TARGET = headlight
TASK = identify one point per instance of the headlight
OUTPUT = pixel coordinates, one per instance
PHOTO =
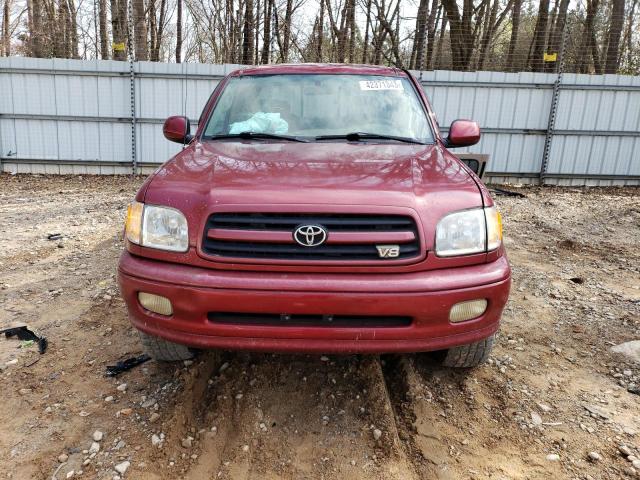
(469, 231)
(157, 227)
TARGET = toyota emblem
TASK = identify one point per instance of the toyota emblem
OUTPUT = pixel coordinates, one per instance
(310, 235)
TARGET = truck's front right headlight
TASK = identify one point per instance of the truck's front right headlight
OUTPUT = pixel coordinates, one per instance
(158, 227)
(469, 231)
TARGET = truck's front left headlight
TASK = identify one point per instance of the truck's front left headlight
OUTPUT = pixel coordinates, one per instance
(469, 231)
(152, 226)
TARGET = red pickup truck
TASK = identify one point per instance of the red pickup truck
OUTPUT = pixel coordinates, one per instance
(316, 209)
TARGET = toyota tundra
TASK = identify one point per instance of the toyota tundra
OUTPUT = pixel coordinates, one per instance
(316, 208)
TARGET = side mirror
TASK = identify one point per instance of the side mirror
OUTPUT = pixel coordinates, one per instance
(463, 133)
(177, 129)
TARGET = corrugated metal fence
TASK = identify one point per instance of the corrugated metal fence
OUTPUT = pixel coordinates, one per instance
(74, 116)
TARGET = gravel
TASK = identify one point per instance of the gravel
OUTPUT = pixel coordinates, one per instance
(594, 456)
(122, 468)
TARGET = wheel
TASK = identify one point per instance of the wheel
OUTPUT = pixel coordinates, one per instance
(470, 355)
(164, 350)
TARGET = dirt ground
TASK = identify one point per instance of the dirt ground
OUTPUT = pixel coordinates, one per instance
(552, 394)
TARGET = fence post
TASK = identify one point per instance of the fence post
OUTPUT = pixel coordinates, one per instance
(132, 91)
(553, 110)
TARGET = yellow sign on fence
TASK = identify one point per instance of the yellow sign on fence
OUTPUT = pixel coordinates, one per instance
(550, 57)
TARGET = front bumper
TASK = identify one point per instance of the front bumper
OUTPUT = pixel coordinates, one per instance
(427, 297)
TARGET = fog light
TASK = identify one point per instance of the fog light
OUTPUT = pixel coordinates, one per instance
(155, 303)
(467, 310)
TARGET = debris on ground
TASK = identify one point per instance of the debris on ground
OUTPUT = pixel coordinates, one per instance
(124, 365)
(507, 193)
(23, 333)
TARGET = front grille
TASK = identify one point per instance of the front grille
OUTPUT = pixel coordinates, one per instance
(256, 236)
(286, 320)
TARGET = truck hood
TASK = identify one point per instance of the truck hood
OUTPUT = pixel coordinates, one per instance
(322, 176)
(322, 173)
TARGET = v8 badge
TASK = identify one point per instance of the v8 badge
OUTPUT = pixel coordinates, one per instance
(388, 251)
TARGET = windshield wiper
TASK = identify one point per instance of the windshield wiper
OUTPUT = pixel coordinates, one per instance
(357, 136)
(252, 135)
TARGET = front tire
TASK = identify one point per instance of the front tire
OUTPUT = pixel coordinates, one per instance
(470, 355)
(163, 350)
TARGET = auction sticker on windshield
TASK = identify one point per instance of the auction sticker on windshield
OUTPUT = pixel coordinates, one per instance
(381, 85)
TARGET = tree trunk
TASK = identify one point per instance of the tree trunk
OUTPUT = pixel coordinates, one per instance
(6, 36)
(460, 33)
(104, 39)
(247, 39)
(267, 31)
(36, 32)
(286, 40)
(119, 29)
(628, 34)
(443, 28)
(352, 31)
(276, 28)
(140, 31)
(539, 37)
(589, 36)
(555, 37)
(320, 32)
(179, 33)
(343, 33)
(417, 54)
(613, 38)
(155, 52)
(432, 22)
(151, 26)
(487, 35)
(365, 51)
(73, 25)
(256, 34)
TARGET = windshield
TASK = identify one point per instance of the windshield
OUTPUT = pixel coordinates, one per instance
(312, 106)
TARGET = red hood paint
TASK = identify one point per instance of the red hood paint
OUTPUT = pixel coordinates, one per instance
(321, 177)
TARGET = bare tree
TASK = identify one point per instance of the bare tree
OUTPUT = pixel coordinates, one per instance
(119, 28)
(320, 32)
(266, 44)
(443, 27)
(140, 30)
(538, 45)
(104, 39)
(179, 32)
(613, 39)
(247, 43)
(627, 44)
(491, 26)
(432, 22)
(602, 36)
(460, 32)
(286, 40)
(420, 38)
(556, 32)
(157, 24)
(515, 27)
(36, 28)
(6, 36)
(588, 34)
(365, 51)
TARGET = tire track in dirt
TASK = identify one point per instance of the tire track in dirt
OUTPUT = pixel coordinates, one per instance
(402, 383)
(294, 416)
